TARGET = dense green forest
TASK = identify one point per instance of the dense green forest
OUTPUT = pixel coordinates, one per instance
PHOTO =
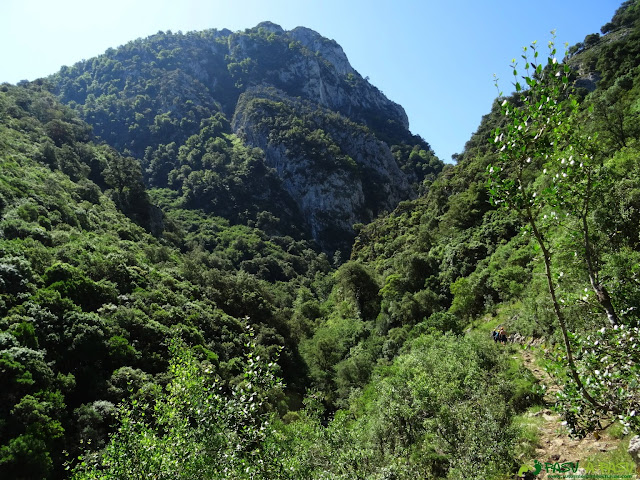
(174, 303)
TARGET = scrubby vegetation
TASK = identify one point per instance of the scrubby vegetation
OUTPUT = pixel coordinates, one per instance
(164, 312)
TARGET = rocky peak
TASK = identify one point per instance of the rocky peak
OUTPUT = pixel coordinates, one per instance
(320, 72)
(328, 49)
(271, 27)
(225, 32)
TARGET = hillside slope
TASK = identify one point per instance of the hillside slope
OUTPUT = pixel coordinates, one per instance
(90, 301)
(185, 319)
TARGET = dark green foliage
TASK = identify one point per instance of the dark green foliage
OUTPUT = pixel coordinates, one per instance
(355, 284)
(99, 298)
(404, 424)
(406, 414)
(72, 284)
(626, 16)
(222, 177)
(384, 376)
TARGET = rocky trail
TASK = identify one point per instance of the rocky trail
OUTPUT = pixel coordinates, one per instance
(555, 444)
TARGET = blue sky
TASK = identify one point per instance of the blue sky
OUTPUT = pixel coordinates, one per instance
(435, 58)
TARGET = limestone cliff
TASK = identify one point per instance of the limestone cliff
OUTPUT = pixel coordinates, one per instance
(353, 178)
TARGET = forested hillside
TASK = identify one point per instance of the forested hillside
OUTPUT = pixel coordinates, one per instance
(200, 276)
(91, 301)
(536, 225)
(336, 150)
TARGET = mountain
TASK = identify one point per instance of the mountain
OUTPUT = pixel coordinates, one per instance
(96, 280)
(166, 308)
(334, 150)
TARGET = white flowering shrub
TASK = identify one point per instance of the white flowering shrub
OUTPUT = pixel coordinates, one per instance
(553, 174)
(199, 427)
(609, 365)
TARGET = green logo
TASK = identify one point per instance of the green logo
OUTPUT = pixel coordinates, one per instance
(549, 467)
(592, 469)
(534, 471)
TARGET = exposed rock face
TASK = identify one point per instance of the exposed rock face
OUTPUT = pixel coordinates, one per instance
(359, 182)
(588, 81)
(271, 27)
(321, 74)
(634, 450)
(328, 49)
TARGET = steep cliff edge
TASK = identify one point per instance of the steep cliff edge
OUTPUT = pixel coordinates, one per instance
(338, 172)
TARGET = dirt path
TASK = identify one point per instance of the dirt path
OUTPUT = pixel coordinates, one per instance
(555, 444)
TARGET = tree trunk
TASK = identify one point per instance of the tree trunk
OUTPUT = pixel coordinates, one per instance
(600, 290)
(556, 309)
(605, 300)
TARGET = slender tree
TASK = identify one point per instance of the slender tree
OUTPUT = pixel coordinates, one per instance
(552, 173)
(535, 136)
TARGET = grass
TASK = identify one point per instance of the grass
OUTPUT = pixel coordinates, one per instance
(613, 462)
(528, 427)
(499, 316)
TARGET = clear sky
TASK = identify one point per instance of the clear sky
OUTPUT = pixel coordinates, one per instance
(436, 58)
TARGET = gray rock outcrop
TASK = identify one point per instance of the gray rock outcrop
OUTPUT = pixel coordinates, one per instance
(634, 450)
(333, 196)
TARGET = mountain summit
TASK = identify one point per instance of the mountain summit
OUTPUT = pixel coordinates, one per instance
(192, 108)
